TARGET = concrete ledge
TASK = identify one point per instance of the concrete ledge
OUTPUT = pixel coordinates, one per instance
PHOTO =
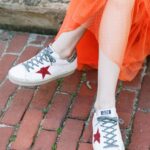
(39, 16)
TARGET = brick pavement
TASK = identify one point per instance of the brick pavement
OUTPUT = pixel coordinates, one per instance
(58, 115)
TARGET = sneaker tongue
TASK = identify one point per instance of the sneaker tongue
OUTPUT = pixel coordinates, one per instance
(107, 112)
(54, 54)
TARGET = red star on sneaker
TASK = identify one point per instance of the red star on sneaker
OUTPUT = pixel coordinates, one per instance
(44, 71)
(97, 136)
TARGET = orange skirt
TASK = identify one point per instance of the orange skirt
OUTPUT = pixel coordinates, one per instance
(138, 47)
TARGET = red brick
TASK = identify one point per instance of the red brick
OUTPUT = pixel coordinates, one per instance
(17, 107)
(2, 47)
(92, 76)
(84, 102)
(27, 130)
(43, 95)
(135, 83)
(57, 112)
(6, 63)
(45, 140)
(70, 83)
(28, 53)
(18, 42)
(125, 107)
(39, 40)
(6, 90)
(49, 40)
(85, 146)
(70, 135)
(144, 98)
(88, 131)
(86, 91)
(5, 134)
(141, 133)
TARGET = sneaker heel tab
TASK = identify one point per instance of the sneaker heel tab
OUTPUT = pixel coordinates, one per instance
(72, 57)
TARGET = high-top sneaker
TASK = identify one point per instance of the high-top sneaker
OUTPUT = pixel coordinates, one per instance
(42, 68)
(106, 131)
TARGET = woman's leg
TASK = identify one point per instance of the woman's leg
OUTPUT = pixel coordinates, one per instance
(113, 36)
(66, 42)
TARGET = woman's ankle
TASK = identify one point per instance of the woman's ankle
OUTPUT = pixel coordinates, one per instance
(62, 52)
(102, 105)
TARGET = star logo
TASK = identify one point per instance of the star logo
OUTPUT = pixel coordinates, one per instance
(97, 136)
(44, 71)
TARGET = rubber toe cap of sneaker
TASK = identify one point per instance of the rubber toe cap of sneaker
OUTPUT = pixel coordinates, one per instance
(17, 73)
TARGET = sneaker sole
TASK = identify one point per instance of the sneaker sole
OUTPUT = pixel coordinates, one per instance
(39, 83)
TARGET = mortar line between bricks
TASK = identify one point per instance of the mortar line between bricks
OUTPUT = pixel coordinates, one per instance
(40, 126)
(19, 53)
(6, 47)
(144, 110)
(64, 120)
(28, 106)
(63, 93)
(76, 94)
(18, 56)
(6, 77)
(1, 83)
(130, 126)
(90, 114)
(85, 124)
(5, 53)
(49, 106)
(5, 125)
(44, 114)
(11, 53)
(38, 45)
(69, 108)
(83, 80)
(9, 101)
(135, 108)
(31, 35)
(16, 127)
(7, 44)
(77, 146)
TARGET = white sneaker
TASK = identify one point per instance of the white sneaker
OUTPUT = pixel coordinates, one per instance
(106, 131)
(42, 68)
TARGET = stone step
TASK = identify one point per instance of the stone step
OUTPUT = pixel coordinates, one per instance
(32, 15)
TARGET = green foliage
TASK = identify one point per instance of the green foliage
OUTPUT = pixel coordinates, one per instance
(45, 110)
(59, 130)
(12, 138)
(54, 147)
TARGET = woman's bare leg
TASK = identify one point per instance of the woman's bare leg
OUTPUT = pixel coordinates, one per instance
(113, 36)
(66, 42)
